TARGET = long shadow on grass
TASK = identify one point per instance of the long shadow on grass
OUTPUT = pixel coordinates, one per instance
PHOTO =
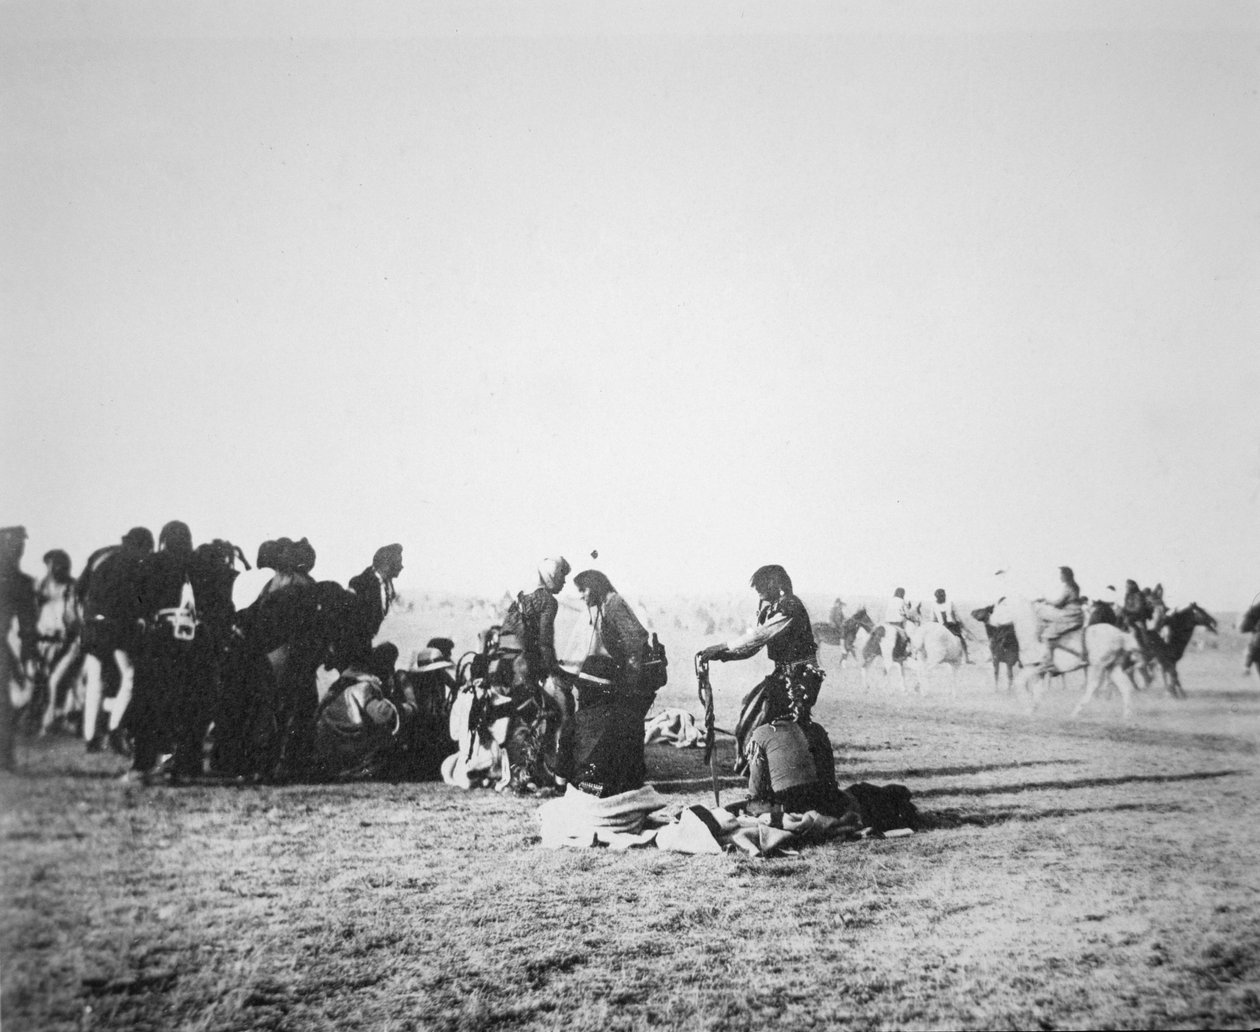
(940, 772)
(947, 819)
(1037, 786)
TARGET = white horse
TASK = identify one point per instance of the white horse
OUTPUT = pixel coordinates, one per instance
(932, 646)
(1103, 650)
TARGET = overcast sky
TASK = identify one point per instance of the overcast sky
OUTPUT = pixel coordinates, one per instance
(891, 294)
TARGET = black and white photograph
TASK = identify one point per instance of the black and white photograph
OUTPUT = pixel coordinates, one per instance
(601, 515)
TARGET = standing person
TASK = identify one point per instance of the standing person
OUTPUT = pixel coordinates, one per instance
(944, 613)
(173, 685)
(374, 589)
(612, 702)
(784, 630)
(109, 590)
(1063, 613)
(58, 633)
(541, 691)
(17, 605)
(533, 631)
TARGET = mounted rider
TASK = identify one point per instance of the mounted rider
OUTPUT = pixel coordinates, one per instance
(896, 613)
(1062, 614)
(944, 613)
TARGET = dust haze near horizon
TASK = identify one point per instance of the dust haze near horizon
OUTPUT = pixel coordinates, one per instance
(888, 295)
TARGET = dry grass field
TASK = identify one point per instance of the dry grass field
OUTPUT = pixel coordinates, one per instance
(1088, 874)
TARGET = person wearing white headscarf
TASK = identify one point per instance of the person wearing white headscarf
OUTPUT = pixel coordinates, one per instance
(529, 632)
(538, 619)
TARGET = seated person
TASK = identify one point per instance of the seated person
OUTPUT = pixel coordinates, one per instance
(362, 718)
(790, 765)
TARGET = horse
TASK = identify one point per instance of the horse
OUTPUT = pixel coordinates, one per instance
(845, 635)
(1166, 653)
(881, 643)
(1104, 651)
(1003, 648)
(934, 645)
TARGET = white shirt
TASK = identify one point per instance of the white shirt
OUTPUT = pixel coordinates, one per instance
(896, 611)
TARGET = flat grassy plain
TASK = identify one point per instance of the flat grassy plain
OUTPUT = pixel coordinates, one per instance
(1087, 874)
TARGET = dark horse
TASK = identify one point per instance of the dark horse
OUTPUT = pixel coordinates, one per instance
(1180, 625)
(844, 636)
(1002, 644)
(1250, 624)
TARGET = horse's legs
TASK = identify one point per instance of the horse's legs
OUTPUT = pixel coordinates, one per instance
(1127, 687)
(1091, 686)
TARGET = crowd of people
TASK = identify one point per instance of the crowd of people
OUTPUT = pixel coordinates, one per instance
(146, 653)
(146, 650)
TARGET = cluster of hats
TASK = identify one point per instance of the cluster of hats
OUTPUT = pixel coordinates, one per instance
(286, 556)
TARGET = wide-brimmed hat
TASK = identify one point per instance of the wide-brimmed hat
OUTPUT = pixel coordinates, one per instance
(444, 645)
(431, 658)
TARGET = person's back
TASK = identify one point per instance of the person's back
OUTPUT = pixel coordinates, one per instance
(791, 765)
(113, 585)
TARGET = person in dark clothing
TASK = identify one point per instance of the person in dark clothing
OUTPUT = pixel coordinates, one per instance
(784, 631)
(364, 718)
(288, 632)
(109, 590)
(17, 605)
(608, 725)
(541, 691)
(374, 591)
(174, 697)
(791, 766)
(531, 631)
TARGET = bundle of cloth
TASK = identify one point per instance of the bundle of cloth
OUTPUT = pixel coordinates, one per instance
(674, 727)
(639, 818)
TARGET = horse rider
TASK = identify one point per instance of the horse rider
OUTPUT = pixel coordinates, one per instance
(944, 613)
(1063, 614)
(896, 613)
(837, 613)
(1135, 612)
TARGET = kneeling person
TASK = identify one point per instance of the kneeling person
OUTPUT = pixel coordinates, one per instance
(361, 719)
(790, 764)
